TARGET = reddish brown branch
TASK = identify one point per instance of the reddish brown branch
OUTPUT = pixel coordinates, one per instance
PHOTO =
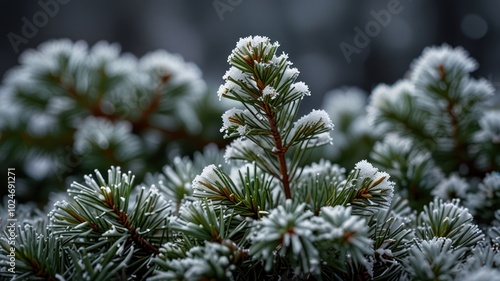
(82, 220)
(123, 219)
(280, 151)
(40, 272)
(460, 148)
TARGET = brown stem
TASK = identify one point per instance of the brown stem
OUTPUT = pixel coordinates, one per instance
(278, 143)
(460, 148)
(455, 131)
(239, 254)
(134, 235)
(40, 272)
(143, 122)
(280, 151)
(82, 220)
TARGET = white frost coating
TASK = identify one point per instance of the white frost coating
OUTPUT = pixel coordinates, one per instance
(335, 102)
(478, 89)
(106, 189)
(325, 168)
(382, 253)
(250, 42)
(434, 60)
(112, 232)
(321, 139)
(60, 277)
(491, 182)
(366, 169)
(180, 71)
(482, 274)
(226, 88)
(95, 131)
(385, 96)
(208, 175)
(61, 204)
(315, 117)
(103, 52)
(81, 264)
(277, 59)
(384, 187)
(302, 88)
(490, 128)
(269, 91)
(240, 146)
(81, 225)
(486, 189)
(288, 225)
(230, 114)
(153, 190)
(98, 267)
(450, 188)
(289, 73)
(41, 124)
(235, 74)
(47, 54)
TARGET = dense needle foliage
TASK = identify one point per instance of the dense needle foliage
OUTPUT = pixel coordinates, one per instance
(421, 202)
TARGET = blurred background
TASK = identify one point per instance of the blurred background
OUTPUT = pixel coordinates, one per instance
(205, 32)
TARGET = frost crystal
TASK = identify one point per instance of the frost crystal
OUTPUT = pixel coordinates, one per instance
(366, 169)
(445, 62)
(235, 74)
(482, 274)
(103, 52)
(490, 128)
(102, 133)
(289, 227)
(336, 100)
(49, 54)
(387, 98)
(227, 116)
(163, 63)
(247, 44)
(240, 147)
(453, 187)
(226, 88)
(207, 176)
(314, 118)
(269, 91)
(290, 73)
(301, 87)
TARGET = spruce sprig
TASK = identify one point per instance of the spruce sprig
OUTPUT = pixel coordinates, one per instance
(264, 84)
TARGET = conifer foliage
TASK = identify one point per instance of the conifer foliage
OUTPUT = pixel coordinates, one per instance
(260, 209)
(68, 109)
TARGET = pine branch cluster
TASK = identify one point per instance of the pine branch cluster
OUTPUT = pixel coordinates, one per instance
(261, 209)
(69, 108)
